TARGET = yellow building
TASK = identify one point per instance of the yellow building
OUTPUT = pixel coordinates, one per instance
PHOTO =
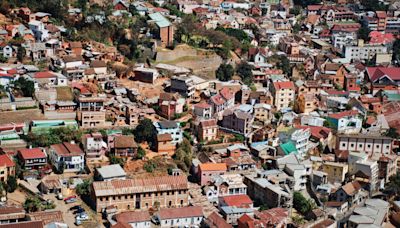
(306, 103)
(336, 171)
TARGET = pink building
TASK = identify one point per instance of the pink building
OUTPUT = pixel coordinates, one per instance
(207, 170)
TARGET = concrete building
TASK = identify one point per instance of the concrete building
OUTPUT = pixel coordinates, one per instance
(283, 94)
(183, 85)
(94, 146)
(336, 172)
(207, 130)
(141, 193)
(364, 51)
(91, 112)
(263, 113)
(33, 158)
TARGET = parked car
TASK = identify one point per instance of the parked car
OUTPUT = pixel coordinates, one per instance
(70, 200)
(69, 197)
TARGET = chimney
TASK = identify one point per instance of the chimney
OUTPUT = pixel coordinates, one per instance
(360, 42)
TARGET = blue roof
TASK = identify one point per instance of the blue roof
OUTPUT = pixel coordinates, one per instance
(160, 20)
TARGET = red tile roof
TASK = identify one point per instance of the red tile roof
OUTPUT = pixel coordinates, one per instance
(272, 216)
(340, 115)
(27, 224)
(5, 160)
(284, 85)
(226, 93)
(381, 38)
(133, 216)
(242, 201)
(32, 153)
(317, 132)
(375, 73)
(67, 149)
(45, 74)
(216, 221)
(314, 7)
(202, 105)
(182, 212)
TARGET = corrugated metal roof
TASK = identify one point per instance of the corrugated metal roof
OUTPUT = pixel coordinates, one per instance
(160, 20)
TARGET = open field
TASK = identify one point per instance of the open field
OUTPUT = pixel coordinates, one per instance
(21, 116)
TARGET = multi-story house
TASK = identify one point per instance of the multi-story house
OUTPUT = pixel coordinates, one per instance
(141, 193)
(225, 99)
(91, 112)
(170, 127)
(265, 192)
(207, 130)
(39, 30)
(207, 170)
(183, 85)
(299, 174)
(306, 103)
(67, 156)
(336, 172)
(298, 137)
(7, 167)
(237, 121)
(263, 113)
(170, 105)
(227, 185)
(94, 146)
(124, 146)
(134, 114)
(348, 122)
(361, 166)
(33, 158)
(283, 94)
(202, 110)
(364, 143)
(351, 193)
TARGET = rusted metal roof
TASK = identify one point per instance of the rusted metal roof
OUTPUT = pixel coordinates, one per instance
(140, 185)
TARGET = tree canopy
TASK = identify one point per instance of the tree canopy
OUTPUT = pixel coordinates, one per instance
(301, 204)
(26, 86)
(244, 70)
(225, 72)
(145, 131)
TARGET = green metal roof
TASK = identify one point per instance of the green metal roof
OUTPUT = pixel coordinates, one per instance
(160, 20)
(288, 148)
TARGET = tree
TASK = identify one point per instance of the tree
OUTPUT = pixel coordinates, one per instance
(363, 33)
(373, 5)
(3, 59)
(21, 53)
(244, 70)
(301, 204)
(26, 86)
(141, 153)
(145, 131)
(393, 187)
(149, 166)
(117, 160)
(32, 204)
(225, 72)
(296, 10)
(83, 189)
(392, 132)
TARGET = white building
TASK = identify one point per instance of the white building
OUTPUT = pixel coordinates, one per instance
(39, 30)
(135, 219)
(362, 142)
(68, 155)
(181, 217)
(363, 52)
(359, 162)
(299, 174)
(170, 127)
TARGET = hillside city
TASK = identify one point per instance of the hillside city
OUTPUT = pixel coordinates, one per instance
(199, 113)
